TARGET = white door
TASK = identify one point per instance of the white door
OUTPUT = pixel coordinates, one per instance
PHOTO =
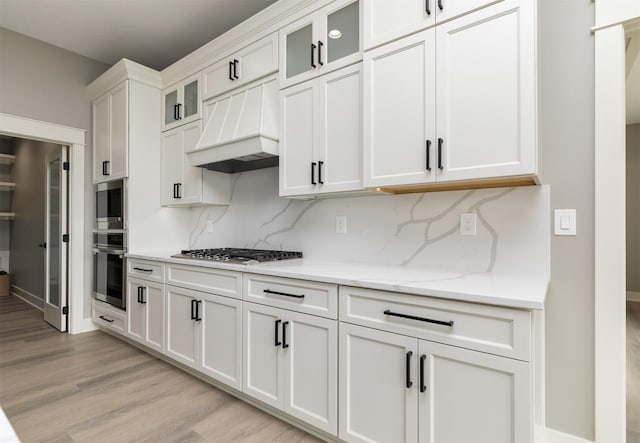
(298, 139)
(311, 359)
(340, 136)
(486, 93)
(101, 137)
(56, 242)
(119, 118)
(135, 310)
(191, 188)
(470, 396)
(181, 338)
(378, 399)
(263, 371)
(399, 112)
(386, 20)
(152, 298)
(221, 339)
(172, 158)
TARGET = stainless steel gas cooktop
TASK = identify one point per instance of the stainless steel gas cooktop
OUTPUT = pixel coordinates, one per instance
(238, 255)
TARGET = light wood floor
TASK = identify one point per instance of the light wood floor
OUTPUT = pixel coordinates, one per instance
(633, 372)
(92, 387)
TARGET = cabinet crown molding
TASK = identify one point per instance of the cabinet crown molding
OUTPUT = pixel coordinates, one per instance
(123, 70)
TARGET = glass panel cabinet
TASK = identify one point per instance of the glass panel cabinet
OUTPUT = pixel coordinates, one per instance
(181, 103)
(320, 43)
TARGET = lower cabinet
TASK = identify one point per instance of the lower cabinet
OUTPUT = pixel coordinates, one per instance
(397, 388)
(204, 332)
(290, 362)
(145, 313)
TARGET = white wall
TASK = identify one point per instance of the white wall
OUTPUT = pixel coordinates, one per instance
(633, 207)
(47, 83)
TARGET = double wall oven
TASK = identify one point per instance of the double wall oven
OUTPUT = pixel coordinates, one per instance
(110, 243)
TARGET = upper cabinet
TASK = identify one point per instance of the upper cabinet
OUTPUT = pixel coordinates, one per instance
(243, 66)
(320, 42)
(387, 20)
(476, 77)
(111, 134)
(181, 103)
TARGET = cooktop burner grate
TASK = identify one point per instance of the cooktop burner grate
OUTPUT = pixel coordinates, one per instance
(238, 255)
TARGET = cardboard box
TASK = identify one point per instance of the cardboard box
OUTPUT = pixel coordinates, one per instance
(4, 285)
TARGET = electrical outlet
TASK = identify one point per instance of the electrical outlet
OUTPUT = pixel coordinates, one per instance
(341, 224)
(468, 224)
(209, 225)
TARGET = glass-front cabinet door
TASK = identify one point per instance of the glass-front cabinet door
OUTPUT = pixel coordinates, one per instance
(322, 42)
(181, 103)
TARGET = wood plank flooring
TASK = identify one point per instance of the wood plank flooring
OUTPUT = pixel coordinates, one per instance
(92, 387)
(633, 372)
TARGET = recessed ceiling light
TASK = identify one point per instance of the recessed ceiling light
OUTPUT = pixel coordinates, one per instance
(335, 33)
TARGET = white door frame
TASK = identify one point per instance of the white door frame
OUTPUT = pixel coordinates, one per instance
(22, 127)
(612, 18)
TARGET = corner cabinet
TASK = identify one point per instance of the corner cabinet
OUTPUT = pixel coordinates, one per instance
(181, 103)
(111, 134)
(321, 142)
(320, 42)
(476, 77)
(184, 185)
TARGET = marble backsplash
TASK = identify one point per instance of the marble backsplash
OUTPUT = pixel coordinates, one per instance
(417, 230)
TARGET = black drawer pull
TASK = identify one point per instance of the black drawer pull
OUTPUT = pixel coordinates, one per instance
(285, 345)
(413, 317)
(142, 269)
(139, 294)
(422, 385)
(198, 304)
(269, 291)
(143, 290)
(193, 309)
(105, 319)
(428, 151)
(440, 142)
(408, 368)
(277, 341)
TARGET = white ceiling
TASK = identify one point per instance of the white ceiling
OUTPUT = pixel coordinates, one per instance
(633, 78)
(155, 33)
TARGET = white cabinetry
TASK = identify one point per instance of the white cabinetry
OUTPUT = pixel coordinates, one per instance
(475, 76)
(181, 103)
(145, 312)
(398, 384)
(111, 134)
(290, 358)
(309, 48)
(184, 185)
(321, 143)
(244, 66)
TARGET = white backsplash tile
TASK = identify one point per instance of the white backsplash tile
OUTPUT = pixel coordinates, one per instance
(417, 230)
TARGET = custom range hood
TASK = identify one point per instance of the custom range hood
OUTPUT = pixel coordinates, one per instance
(241, 132)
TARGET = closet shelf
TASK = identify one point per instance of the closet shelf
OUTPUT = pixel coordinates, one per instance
(7, 186)
(7, 215)
(7, 159)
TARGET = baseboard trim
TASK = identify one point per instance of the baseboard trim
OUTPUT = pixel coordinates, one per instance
(546, 435)
(27, 296)
(633, 296)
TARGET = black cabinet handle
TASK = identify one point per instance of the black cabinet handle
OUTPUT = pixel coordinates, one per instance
(177, 111)
(143, 291)
(198, 316)
(422, 385)
(43, 245)
(313, 173)
(193, 309)
(105, 319)
(427, 7)
(440, 4)
(440, 143)
(285, 345)
(428, 149)
(313, 51)
(320, 53)
(177, 188)
(142, 269)
(320, 163)
(107, 167)
(277, 341)
(235, 70)
(231, 71)
(408, 368)
(413, 317)
(139, 295)
(269, 291)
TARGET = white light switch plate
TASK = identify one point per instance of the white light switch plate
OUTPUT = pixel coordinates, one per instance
(564, 222)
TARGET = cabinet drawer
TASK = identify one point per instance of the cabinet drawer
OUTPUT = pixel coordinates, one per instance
(215, 281)
(491, 329)
(107, 317)
(297, 295)
(148, 270)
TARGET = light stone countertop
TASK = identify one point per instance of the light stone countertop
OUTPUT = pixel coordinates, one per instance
(514, 291)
